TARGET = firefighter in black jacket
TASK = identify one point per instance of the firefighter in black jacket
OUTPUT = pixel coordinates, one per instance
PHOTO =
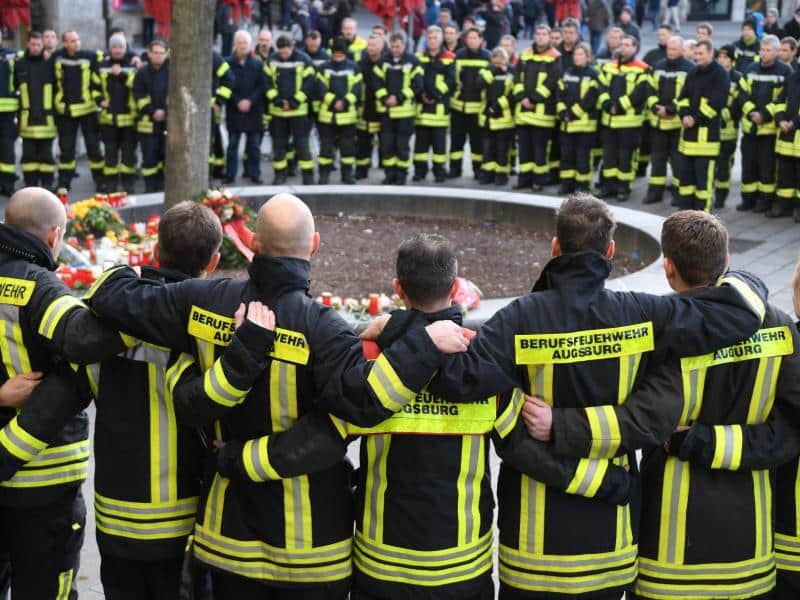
(340, 90)
(118, 117)
(787, 148)
(290, 90)
(222, 81)
(729, 128)
(150, 89)
(298, 531)
(42, 515)
(76, 95)
(666, 81)
(761, 87)
(748, 48)
(537, 75)
(497, 118)
(433, 106)
(34, 78)
(9, 105)
(401, 83)
(369, 113)
(704, 95)
(465, 105)
(548, 343)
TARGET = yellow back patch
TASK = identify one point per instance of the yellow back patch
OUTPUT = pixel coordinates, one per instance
(772, 341)
(291, 346)
(211, 327)
(16, 291)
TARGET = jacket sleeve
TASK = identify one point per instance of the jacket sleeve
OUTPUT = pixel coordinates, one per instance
(223, 80)
(201, 398)
(588, 102)
(636, 99)
(142, 94)
(306, 92)
(647, 418)
(591, 478)
(711, 107)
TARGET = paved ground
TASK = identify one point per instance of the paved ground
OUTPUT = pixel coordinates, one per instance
(767, 247)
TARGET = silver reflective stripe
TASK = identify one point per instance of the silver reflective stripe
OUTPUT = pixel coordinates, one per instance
(516, 398)
(727, 457)
(163, 435)
(531, 483)
(288, 65)
(538, 384)
(173, 530)
(73, 62)
(13, 351)
(254, 457)
(186, 506)
(700, 592)
(590, 561)
(55, 312)
(763, 477)
(30, 476)
(283, 395)
(600, 581)
(212, 377)
(693, 381)
(587, 478)
(64, 455)
(631, 371)
(605, 429)
(214, 500)
(674, 504)
(717, 569)
(20, 443)
(474, 455)
(260, 571)
(341, 550)
(379, 441)
(766, 386)
(297, 501)
(760, 77)
(148, 353)
(395, 394)
(477, 569)
(397, 555)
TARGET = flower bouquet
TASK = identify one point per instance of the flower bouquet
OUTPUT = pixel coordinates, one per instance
(237, 243)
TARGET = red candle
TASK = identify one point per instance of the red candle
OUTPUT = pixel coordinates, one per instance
(326, 298)
(62, 195)
(373, 304)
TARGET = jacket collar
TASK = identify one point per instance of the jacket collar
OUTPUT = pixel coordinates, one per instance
(578, 271)
(163, 274)
(275, 276)
(19, 244)
(403, 320)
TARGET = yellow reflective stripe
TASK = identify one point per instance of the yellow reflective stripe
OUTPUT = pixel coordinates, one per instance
(55, 312)
(706, 571)
(674, 500)
(100, 281)
(706, 108)
(29, 478)
(624, 532)
(588, 477)
(93, 376)
(694, 383)
(255, 456)
(282, 395)
(508, 418)
(540, 379)
(375, 486)
(756, 304)
(19, 442)
(444, 557)
(341, 426)
(468, 486)
(176, 370)
(143, 511)
(12, 347)
(163, 438)
(217, 387)
(787, 550)
(604, 427)
(727, 447)
(532, 515)
(387, 385)
(764, 388)
(64, 585)
(628, 369)
(762, 495)
(65, 453)
(212, 517)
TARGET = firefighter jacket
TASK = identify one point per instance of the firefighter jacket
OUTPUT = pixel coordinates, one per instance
(438, 85)
(150, 87)
(703, 97)
(788, 144)
(666, 82)
(222, 80)
(34, 78)
(625, 87)
(318, 58)
(401, 78)
(576, 344)
(292, 80)
(761, 88)
(9, 103)
(77, 82)
(248, 83)
(369, 109)
(43, 324)
(117, 90)
(655, 55)
(424, 500)
(498, 99)
(576, 101)
(339, 81)
(355, 48)
(468, 65)
(746, 54)
(538, 74)
(732, 113)
(297, 531)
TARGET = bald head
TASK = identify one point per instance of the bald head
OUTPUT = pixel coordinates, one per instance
(285, 227)
(37, 211)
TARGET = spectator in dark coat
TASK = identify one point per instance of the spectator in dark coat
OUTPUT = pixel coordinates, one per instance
(530, 14)
(792, 26)
(496, 24)
(627, 25)
(598, 18)
(771, 25)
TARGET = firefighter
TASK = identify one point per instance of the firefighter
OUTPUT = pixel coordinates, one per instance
(623, 93)
(76, 95)
(34, 77)
(370, 110)
(338, 112)
(290, 88)
(787, 148)
(760, 86)
(577, 112)
(729, 128)
(299, 530)
(355, 44)
(667, 81)
(9, 105)
(118, 117)
(538, 73)
(729, 437)
(539, 555)
(747, 47)
(497, 118)
(401, 82)
(465, 105)
(652, 57)
(150, 87)
(221, 83)
(42, 517)
(433, 106)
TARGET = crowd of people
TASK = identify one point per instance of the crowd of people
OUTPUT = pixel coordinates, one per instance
(224, 409)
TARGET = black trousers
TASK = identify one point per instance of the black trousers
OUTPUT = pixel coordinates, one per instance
(696, 175)
(788, 178)
(576, 159)
(645, 148)
(126, 579)
(364, 143)
(333, 137)
(663, 149)
(486, 593)
(43, 544)
(296, 128)
(153, 146)
(758, 169)
(68, 139)
(8, 135)
(38, 165)
(534, 154)
(227, 586)
(217, 156)
(463, 126)
(396, 142)
(509, 593)
(497, 147)
(724, 166)
(120, 149)
(619, 153)
(430, 138)
(788, 587)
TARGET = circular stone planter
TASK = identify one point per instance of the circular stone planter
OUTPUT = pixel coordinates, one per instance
(637, 232)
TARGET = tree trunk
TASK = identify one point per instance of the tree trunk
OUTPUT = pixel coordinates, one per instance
(189, 100)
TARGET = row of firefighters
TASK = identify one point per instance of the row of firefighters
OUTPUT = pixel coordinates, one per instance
(557, 115)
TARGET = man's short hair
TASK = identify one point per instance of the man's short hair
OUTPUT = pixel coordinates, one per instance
(473, 30)
(790, 41)
(284, 41)
(188, 236)
(706, 44)
(666, 26)
(707, 26)
(572, 23)
(313, 34)
(380, 27)
(584, 223)
(771, 40)
(632, 38)
(397, 36)
(545, 27)
(157, 42)
(35, 35)
(426, 267)
(697, 243)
